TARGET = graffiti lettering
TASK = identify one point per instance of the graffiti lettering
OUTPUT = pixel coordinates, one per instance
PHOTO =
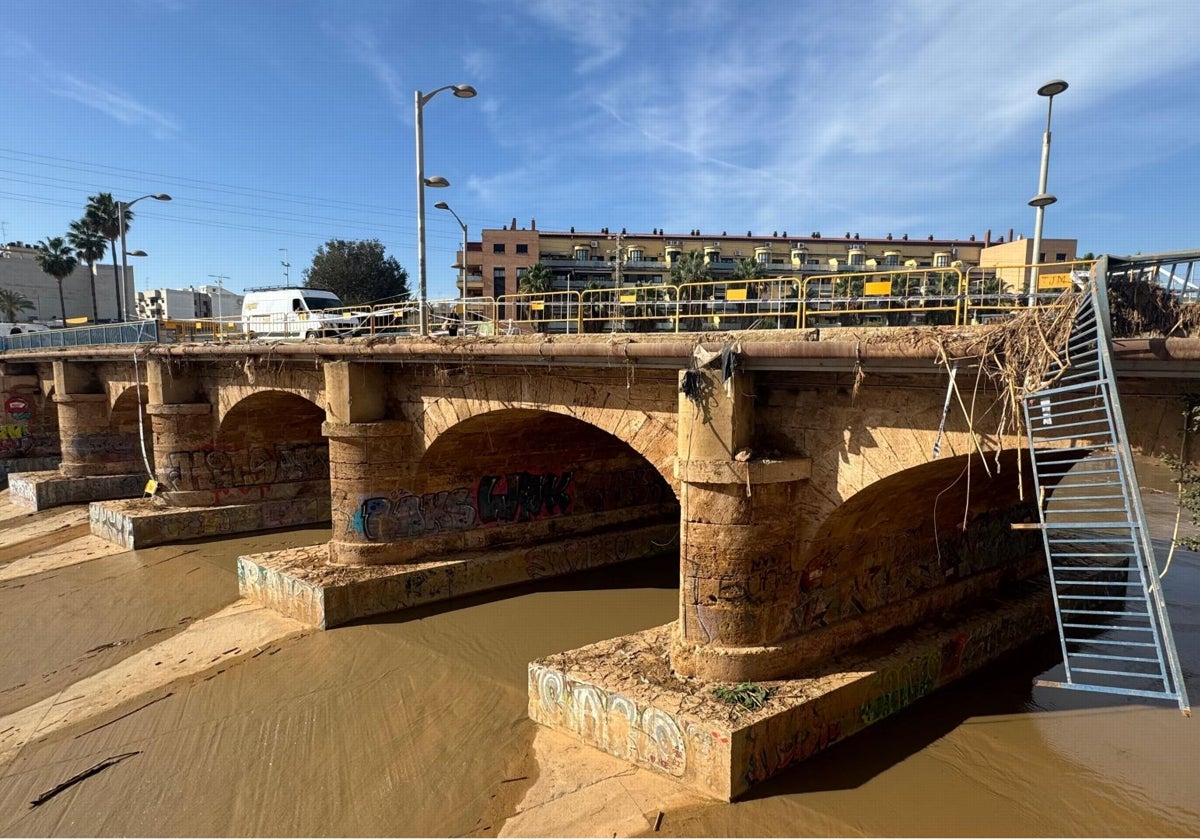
(522, 497)
(111, 525)
(383, 519)
(253, 466)
(612, 722)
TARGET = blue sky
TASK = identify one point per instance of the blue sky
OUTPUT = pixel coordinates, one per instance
(280, 125)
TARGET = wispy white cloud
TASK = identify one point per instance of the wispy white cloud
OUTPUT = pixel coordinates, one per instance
(800, 109)
(479, 63)
(117, 105)
(597, 28)
(364, 48)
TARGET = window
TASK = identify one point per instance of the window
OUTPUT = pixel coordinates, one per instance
(941, 260)
(1060, 257)
(582, 253)
(764, 257)
(497, 247)
(522, 248)
(521, 270)
(858, 257)
(498, 284)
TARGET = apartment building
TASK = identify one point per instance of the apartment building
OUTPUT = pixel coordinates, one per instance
(590, 259)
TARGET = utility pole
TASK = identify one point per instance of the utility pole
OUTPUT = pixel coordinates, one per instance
(620, 259)
(287, 281)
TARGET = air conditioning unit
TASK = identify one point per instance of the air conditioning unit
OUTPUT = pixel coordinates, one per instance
(594, 243)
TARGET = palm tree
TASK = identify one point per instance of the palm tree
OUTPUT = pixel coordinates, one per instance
(539, 279)
(56, 258)
(748, 268)
(690, 268)
(11, 303)
(89, 245)
(103, 214)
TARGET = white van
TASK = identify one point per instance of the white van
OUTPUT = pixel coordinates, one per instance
(295, 313)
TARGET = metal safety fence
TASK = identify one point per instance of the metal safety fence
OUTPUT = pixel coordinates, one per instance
(895, 297)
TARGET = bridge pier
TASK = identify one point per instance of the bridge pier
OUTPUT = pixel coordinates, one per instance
(737, 533)
(432, 502)
(101, 450)
(206, 487)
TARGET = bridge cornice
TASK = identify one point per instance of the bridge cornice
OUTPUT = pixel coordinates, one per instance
(755, 349)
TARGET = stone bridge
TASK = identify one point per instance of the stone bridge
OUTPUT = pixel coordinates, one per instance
(821, 496)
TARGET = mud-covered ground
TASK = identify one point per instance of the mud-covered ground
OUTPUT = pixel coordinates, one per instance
(415, 724)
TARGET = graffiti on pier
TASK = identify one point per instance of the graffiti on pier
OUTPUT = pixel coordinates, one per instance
(612, 722)
(902, 686)
(14, 432)
(495, 500)
(111, 525)
(523, 496)
(766, 761)
(101, 446)
(384, 519)
(222, 469)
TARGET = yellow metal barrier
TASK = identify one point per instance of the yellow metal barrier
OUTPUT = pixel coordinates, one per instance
(763, 303)
(629, 309)
(883, 298)
(538, 312)
(996, 292)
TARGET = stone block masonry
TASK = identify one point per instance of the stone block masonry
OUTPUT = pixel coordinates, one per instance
(141, 523)
(42, 490)
(303, 583)
(621, 697)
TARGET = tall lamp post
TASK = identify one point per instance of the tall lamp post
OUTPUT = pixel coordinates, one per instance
(122, 209)
(462, 275)
(419, 100)
(287, 267)
(220, 295)
(1043, 199)
(138, 253)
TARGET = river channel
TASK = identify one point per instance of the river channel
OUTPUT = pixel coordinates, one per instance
(415, 724)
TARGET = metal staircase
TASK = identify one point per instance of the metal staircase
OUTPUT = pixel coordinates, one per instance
(1108, 600)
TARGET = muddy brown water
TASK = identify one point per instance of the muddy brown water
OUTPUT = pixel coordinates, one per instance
(411, 724)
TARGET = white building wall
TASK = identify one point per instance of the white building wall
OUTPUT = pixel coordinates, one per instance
(19, 272)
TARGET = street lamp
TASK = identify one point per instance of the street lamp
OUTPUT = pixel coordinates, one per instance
(419, 100)
(220, 294)
(441, 205)
(287, 267)
(137, 253)
(1043, 199)
(122, 209)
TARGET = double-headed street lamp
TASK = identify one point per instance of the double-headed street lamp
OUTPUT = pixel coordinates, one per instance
(419, 100)
(122, 209)
(441, 205)
(1043, 199)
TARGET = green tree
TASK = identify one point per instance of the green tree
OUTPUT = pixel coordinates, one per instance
(690, 268)
(11, 303)
(357, 271)
(89, 245)
(539, 279)
(748, 268)
(103, 214)
(56, 258)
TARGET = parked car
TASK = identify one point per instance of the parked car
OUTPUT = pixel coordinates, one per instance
(9, 328)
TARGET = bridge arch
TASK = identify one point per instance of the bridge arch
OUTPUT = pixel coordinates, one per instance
(519, 477)
(648, 428)
(269, 445)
